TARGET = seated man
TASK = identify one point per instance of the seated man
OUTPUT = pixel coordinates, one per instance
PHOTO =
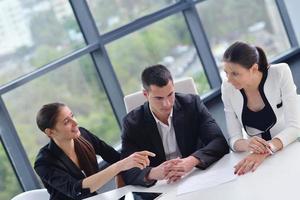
(176, 127)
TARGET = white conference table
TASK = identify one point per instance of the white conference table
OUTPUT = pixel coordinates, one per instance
(277, 178)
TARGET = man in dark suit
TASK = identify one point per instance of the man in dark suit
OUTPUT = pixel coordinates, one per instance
(176, 127)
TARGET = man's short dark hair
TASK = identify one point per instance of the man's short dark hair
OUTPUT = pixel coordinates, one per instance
(157, 75)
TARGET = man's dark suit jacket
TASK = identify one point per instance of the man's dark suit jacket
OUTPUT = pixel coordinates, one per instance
(196, 133)
(61, 177)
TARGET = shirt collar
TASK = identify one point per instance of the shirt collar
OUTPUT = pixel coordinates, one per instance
(160, 122)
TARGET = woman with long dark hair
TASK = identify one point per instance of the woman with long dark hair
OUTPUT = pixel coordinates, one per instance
(67, 165)
(260, 99)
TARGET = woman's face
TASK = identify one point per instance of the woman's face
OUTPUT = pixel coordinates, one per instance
(239, 76)
(66, 127)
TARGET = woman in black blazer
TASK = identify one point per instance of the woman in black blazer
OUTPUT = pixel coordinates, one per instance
(67, 165)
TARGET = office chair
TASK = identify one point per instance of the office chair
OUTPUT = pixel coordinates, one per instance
(38, 194)
(185, 85)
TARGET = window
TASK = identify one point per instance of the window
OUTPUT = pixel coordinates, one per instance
(33, 33)
(257, 22)
(9, 184)
(167, 42)
(293, 11)
(110, 14)
(76, 85)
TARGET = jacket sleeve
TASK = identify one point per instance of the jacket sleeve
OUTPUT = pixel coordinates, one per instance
(134, 176)
(234, 128)
(59, 179)
(291, 107)
(214, 144)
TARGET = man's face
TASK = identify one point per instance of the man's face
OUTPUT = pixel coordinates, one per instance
(161, 99)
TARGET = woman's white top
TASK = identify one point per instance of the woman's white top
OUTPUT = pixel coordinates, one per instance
(280, 91)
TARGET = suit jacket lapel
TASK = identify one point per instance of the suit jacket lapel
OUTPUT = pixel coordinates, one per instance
(179, 127)
(67, 162)
(152, 130)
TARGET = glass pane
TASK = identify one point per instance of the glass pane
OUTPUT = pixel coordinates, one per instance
(257, 22)
(167, 42)
(33, 33)
(294, 14)
(9, 184)
(77, 86)
(110, 14)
